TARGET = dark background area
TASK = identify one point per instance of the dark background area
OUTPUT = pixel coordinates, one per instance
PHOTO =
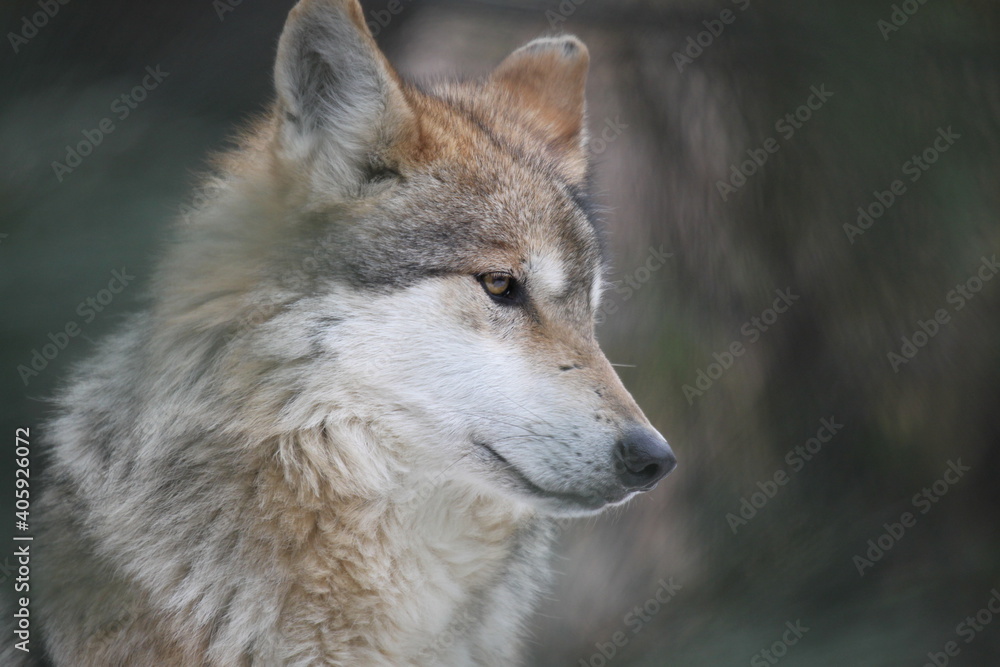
(670, 134)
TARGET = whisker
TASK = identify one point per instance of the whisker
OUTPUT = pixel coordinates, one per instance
(543, 421)
(453, 463)
(500, 421)
(510, 438)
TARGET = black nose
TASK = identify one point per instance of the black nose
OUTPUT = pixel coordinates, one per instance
(643, 458)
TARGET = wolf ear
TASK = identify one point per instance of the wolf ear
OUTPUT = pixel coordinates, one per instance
(547, 78)
(339, 101)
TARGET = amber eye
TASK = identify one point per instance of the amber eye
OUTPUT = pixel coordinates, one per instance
(497, 284)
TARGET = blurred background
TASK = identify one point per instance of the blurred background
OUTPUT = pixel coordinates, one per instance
(801, 203)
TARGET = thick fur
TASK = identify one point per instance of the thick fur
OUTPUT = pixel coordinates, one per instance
(325, 443)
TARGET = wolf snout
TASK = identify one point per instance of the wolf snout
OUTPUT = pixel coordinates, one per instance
(643, 458)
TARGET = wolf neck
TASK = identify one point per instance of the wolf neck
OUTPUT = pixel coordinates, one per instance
(393, 573)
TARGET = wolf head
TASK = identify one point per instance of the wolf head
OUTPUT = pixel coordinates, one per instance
(405, 280)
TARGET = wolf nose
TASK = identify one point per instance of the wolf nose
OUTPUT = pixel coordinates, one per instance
(643, 458)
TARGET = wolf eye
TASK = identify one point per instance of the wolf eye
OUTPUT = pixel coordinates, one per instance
(497, 284)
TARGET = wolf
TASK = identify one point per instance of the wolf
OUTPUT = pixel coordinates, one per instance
(364, 391)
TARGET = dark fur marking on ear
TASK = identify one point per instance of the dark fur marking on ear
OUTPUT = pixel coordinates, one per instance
(566, 43)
